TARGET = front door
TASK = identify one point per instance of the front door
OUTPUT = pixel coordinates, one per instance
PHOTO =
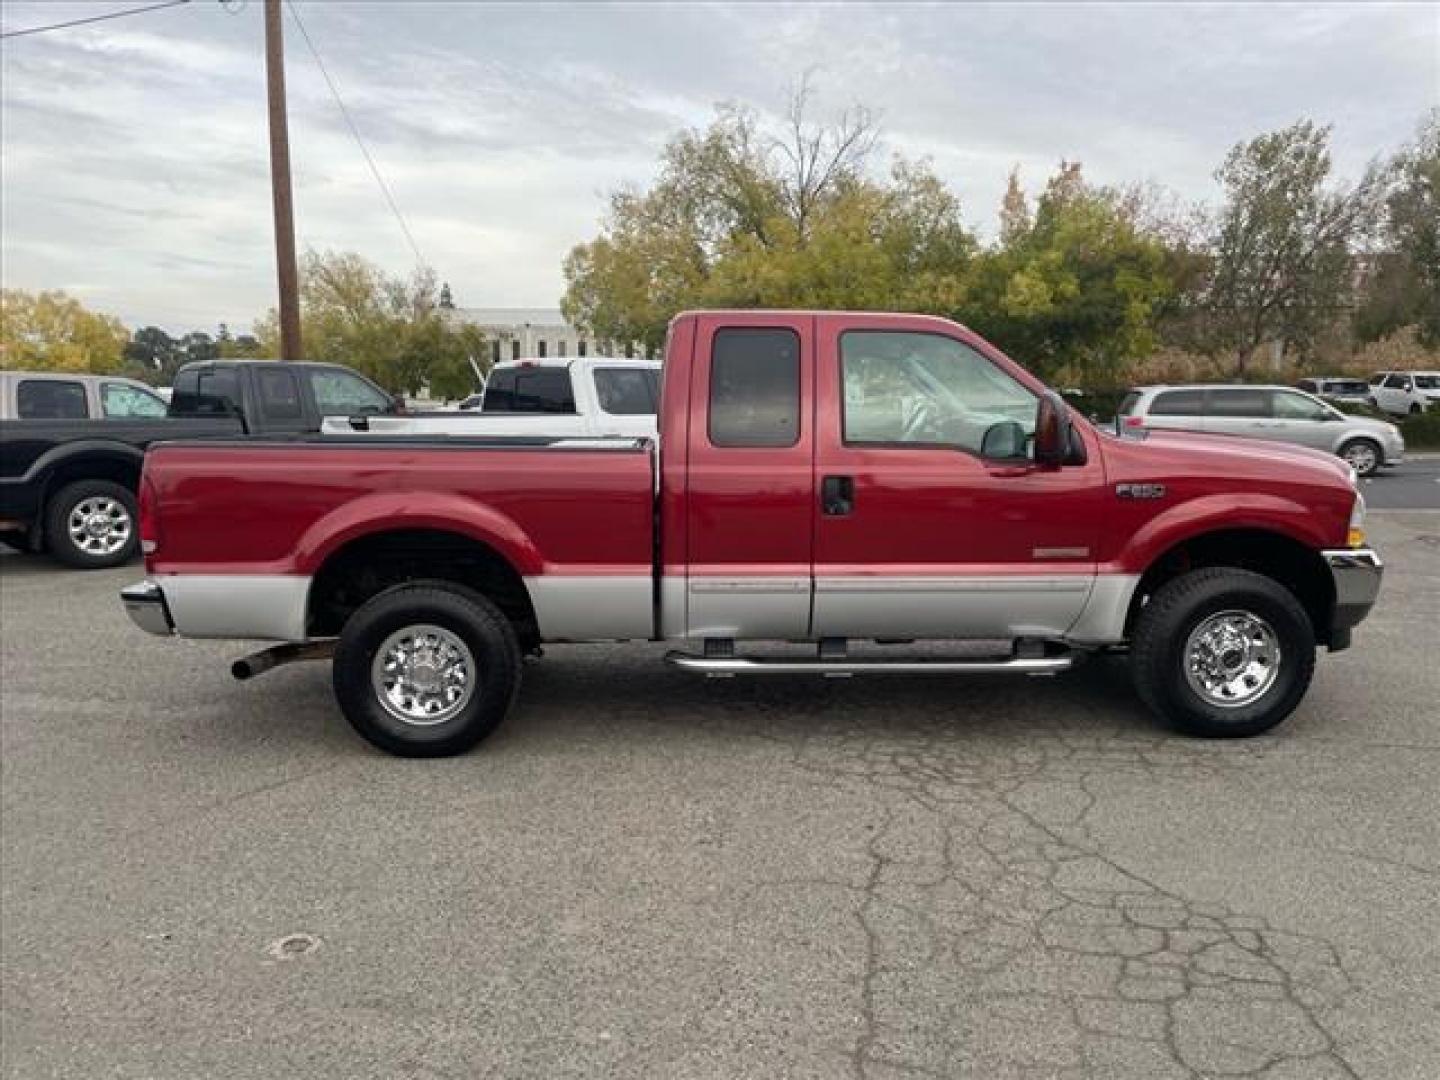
(934, 521)
(749, 475)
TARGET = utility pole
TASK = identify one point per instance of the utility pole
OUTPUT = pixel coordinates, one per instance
(287, 273)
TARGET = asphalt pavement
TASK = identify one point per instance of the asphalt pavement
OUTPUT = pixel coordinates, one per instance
(644, 874)
(1412, 485)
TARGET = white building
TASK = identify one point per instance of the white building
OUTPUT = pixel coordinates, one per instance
(532, 332)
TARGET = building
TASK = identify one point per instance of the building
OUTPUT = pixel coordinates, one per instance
(511, 333)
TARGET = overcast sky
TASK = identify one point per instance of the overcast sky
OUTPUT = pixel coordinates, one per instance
(135, 168)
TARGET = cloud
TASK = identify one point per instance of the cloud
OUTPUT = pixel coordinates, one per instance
(135, 152)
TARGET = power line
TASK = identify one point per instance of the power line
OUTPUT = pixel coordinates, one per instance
(91, 19)
(355, 131)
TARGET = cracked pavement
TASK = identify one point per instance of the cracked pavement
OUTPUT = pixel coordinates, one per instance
(647, 874)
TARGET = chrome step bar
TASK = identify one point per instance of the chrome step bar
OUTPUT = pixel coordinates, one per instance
(722, 666)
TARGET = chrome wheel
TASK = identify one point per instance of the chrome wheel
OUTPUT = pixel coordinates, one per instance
(1361, 457)
(1232, 659)
(423, 675)
(99, 525)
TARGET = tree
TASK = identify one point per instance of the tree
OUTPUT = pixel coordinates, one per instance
(1076, 291)
(1283, 240)
(51, 331)
(1404, 285)
(746, 215)
(389, 328)
(153, 353)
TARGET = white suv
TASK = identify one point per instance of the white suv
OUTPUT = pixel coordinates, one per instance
(1402, 393)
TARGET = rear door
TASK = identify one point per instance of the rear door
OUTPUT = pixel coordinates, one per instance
(750, 498)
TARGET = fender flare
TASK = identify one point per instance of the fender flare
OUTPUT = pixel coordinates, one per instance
(1254, 512)
(394, 511)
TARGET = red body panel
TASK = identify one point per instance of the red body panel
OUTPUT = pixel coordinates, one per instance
(279, 508)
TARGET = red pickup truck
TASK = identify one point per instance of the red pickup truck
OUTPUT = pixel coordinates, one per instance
(821, 478)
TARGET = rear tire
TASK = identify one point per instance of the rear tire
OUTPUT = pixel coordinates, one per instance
(426, 670)
(92, 524)
(1362, 455)
(1222, 653)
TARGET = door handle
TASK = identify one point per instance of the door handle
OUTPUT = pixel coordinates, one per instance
(837, 495)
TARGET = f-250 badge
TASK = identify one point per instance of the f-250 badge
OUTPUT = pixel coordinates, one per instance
(1140, 491)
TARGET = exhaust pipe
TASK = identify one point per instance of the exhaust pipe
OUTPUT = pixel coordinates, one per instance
(257, 663)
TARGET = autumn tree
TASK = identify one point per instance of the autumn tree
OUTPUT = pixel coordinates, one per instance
(1074, 291)
(1283, 240)
(1404, 286)
(748, 214)
(52, 331)
(390, 328)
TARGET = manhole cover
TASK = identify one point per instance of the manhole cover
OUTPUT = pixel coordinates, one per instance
(292, 946)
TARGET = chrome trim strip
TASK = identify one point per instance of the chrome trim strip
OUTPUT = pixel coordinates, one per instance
(608, 607)
(989, 583)
(741, 665)
(267, 607)
(705, 585)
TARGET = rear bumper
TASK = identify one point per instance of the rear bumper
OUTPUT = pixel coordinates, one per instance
(145, 604)
(1356, 573)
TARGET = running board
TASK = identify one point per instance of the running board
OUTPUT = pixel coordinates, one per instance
(722, 666)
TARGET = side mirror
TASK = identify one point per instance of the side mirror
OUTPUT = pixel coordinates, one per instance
(1054, 432)
(1003, 441)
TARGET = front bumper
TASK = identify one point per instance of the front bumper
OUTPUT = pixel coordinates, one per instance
(1356, 573)
(145, 604)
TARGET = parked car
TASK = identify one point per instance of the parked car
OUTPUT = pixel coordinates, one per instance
(1404, 393)
(823, 477)
(71, 445)
(1331, 388)
(579, 397)
(1276, 413)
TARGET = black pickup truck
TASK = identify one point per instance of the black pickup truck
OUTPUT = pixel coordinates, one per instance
(71, 445)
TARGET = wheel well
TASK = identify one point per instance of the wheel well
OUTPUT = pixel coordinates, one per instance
(369, 565)
(1299, 568)
(118, 470)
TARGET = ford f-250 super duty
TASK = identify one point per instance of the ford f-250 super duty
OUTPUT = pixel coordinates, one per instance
(819, 477)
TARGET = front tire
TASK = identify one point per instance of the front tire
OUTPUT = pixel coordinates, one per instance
(1223, 653)
(426, 670)
(1362, 455)
(91, 524)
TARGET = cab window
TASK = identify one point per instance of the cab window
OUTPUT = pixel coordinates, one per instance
(627, 391)
(119, 400)
(904, 387)
(530, 390)
(51, 399)
(343, 393)
(755, 387)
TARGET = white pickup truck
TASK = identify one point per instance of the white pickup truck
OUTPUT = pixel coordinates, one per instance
(580, 396)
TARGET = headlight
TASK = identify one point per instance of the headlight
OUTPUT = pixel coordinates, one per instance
(1355, 534)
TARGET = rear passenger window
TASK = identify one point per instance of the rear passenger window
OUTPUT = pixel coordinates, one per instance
(1179, 403)
(530, 390)
(219, 393)
(279, 393)
(51, 399)
(1238, 402)
(755, 388)
(627, 391)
